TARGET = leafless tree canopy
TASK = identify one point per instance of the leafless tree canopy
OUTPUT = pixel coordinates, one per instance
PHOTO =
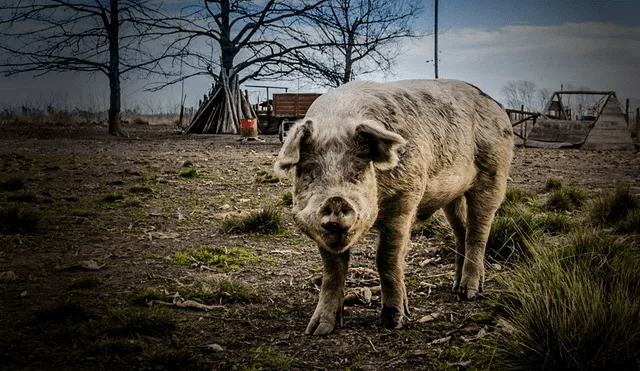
(520, 93)
(113, 37)
(354, 38)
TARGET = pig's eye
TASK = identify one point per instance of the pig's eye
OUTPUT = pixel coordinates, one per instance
(357, 175)
(307, 172)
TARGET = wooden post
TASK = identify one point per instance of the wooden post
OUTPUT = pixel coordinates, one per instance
(626, 110)
(435, 35)
(524, 123)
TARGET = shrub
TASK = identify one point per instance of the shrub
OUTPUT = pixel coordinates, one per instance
(609, 209)
(573, 307)
(267, 221)
(631, 223)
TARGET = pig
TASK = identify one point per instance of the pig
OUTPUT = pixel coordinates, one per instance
(376, 155)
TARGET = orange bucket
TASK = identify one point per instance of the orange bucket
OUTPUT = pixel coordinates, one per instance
(249, 127)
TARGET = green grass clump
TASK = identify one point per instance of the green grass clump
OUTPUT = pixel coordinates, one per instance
(15, 220)
(188, 173)
(517, 196)
(631, 222)
(214, 288)
(267, 221)
(137, 120)
(573, 307)
(12, 183)
(566, 198)
(266, 358)
(512, 231)
(151, 321)
(113, 197)
(609, 209)
(140, 189)
(144, 295)
(267, 178)
(553, 223)
(286, 200)
(215, 257)
(552, 184)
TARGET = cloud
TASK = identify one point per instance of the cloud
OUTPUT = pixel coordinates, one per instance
(600, 56)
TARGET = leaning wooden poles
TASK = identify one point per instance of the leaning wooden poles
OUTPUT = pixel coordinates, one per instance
(222, 112)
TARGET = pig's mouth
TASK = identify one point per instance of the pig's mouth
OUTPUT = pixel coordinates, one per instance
(337, 242)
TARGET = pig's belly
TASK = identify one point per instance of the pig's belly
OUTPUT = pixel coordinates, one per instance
(442, 189)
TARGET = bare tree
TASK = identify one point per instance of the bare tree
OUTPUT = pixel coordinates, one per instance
(519, 93)
(113, 37)
(234, 41)
(356, 37)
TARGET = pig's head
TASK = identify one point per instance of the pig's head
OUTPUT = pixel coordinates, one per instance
(333, 167)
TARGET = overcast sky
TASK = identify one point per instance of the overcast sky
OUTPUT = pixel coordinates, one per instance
(589, 43)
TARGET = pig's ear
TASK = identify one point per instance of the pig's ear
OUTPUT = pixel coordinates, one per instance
(379, 145)
(289, 154)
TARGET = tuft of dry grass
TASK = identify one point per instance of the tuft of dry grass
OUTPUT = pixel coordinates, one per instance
(267, 221)
(611, 208)
(573, 307)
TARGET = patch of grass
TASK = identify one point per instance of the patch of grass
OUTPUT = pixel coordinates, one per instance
(553, 223)
(137, 120)
(113, 197)
(161, 358)
(552, 184)
(566, 198)
(188, 173)
(286, 200)
(140, 189)
(153, 321)
(267, 178)
(511, 232)
(266, 358)
(80, 212)
(132, 203)
(267, 221)
(15, 220)
(213, 288)
(62, 312)
(143, 295)
(573, 307)
(12, 183)
(609, 209)
(516, 196)
(115, 182)
(215, 257)
(631, 222)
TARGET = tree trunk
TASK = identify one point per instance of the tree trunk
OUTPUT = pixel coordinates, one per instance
(114, 72)
(348, 63)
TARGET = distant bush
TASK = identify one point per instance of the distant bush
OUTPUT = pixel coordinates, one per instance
(573, 307)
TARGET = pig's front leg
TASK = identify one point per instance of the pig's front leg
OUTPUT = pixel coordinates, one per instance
(329, 308)
(395, 233)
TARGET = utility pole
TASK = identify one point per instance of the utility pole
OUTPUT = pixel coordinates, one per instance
(435, 51)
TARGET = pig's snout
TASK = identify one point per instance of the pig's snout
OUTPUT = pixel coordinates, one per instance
(337, 215)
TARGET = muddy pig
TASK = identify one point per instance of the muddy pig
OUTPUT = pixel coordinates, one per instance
(376, 155)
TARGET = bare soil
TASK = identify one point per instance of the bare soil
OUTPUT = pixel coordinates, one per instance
(68, 170)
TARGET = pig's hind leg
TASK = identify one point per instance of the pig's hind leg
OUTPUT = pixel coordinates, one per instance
(483, 200)
(330, 303)
(456, 213)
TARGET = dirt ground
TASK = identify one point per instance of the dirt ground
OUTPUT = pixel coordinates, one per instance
(56, 314)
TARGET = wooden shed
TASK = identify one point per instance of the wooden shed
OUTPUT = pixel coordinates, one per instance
(606, 130)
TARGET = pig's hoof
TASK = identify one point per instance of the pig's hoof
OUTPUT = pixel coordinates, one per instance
(468, 290)
(456, 286)
(320, 326)
(392, 317)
